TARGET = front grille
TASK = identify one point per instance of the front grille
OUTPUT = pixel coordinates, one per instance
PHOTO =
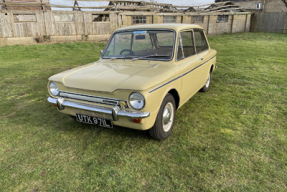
(91, 98)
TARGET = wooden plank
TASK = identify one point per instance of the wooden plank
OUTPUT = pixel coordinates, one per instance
(26, 29)
(101, 28)
(8, 22)
(89, 22)
(113, 22)
(226, 10)
(50, 28)
(1, 27)
(40, 23)
(79, 23)
(220, 7)
(53, 24)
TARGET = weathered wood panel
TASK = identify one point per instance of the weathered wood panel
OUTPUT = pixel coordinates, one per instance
(268, 22)
(79, 23)
(101, 28)
(1, 29)
(29, 29)
(41, 23)
(113, 22)
(272, 22)
(49, 23)
(7, 24)
(88, 23)
(70, 24)
(65, 28)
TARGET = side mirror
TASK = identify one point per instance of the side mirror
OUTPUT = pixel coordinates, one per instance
(102, 52)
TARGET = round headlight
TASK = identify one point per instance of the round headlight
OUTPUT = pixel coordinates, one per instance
(136, 101)
(54, 90)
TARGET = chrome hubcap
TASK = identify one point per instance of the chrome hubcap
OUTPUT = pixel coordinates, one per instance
(167, 116)
(208, 81)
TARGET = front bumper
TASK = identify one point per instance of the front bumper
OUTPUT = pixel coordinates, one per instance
(115, 112)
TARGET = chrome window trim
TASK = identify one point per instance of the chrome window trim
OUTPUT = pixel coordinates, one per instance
(181, 75)
(196, 53)
(191, 29)
(144, 29)
(92, 98)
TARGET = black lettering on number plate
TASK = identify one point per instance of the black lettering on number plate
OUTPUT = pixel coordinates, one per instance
(94, 120)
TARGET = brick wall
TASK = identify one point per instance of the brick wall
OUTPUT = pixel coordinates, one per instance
(275, 6)
(270, 5)
(250, 5)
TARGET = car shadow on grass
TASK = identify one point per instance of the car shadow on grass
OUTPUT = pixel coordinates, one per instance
(71, 125)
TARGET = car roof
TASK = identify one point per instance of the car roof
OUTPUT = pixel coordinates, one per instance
(174, 26)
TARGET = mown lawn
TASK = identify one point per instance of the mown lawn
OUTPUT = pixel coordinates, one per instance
(232, 138)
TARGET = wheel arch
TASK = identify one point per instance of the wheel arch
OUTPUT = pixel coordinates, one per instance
(176, 97)
(211, 68)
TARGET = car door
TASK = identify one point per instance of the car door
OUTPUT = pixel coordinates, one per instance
(187, 61)
(202, 51)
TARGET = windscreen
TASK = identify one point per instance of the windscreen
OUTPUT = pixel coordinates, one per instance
(149, 44)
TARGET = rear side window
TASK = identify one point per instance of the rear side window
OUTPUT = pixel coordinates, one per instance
(185, 45)
(200, 41)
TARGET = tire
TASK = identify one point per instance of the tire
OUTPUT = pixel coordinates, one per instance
(205, 88)
(163, 126)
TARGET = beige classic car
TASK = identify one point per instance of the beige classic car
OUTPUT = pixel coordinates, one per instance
(145, 74)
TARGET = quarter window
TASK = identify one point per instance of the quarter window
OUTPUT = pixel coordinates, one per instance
(138, 19)
(197, 19)
(200, 41)
(222, 18)
(169, 19)
(185, 45)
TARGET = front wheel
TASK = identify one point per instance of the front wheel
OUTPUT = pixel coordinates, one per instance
(205, 88)
(164, 120)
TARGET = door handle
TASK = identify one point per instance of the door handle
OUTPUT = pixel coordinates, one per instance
(200, 59)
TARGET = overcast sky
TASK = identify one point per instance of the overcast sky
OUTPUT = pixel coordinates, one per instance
(105, 3)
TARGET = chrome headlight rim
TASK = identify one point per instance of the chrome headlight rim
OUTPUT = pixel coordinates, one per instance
(54, 90)
(129, 101)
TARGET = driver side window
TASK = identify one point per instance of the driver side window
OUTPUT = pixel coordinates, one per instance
(120, 42)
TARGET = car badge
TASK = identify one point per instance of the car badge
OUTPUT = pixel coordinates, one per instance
(122, 104)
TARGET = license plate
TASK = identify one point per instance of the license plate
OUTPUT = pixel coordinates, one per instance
(94, 120)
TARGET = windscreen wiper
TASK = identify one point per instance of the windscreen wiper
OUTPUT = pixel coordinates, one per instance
(125, 57)
(156, 55)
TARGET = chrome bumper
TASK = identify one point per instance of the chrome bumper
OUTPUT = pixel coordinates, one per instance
(116, 112)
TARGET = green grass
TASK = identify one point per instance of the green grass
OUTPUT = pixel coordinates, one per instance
(232, 138)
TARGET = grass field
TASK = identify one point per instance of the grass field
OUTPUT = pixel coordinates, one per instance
(232, 138)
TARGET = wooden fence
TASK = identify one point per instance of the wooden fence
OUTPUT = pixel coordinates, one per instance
(15, 26)
(54, 23)
(275, 22)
